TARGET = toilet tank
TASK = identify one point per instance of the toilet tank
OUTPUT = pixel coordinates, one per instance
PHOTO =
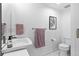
(67, 40)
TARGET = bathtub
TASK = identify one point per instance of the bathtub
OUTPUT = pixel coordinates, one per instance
(18, 44)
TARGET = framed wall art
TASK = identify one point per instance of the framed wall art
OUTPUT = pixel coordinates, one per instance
(52, 23)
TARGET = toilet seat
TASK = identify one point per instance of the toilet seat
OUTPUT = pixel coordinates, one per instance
(63, 46)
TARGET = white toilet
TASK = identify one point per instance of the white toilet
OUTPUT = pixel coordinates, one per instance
(64, 48)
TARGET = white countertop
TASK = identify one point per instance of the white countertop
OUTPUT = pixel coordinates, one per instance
(18, 53)
(18, 43)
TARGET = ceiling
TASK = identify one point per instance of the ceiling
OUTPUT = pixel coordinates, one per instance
(60, 6)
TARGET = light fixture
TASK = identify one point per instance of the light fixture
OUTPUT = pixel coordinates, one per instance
(58, 3)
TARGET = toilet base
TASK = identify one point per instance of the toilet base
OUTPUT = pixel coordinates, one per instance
(62, 53)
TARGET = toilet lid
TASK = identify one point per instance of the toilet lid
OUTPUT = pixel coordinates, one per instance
(64, 45)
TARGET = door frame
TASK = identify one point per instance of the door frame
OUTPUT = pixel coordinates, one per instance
(1, 29)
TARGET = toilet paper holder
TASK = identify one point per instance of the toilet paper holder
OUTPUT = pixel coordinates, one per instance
(53, 39)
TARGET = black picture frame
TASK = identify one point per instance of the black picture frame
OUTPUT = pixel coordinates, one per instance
(52, 23)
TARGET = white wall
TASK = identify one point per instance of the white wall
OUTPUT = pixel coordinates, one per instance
(74, 26)
(6, 17)
(66, 25)
(32, 16)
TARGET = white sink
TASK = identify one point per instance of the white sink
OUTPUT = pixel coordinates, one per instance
(21, 42)
(18, 43)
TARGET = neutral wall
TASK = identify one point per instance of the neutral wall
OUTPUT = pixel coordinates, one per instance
(66, 25)
(74, 27)
(32, 16)
(6, 17)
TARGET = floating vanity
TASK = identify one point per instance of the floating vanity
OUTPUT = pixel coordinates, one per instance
(19, 45)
